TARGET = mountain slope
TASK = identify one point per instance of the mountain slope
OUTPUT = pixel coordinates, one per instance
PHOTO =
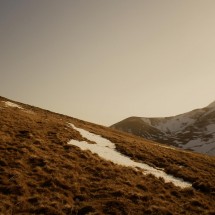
(194, 130)
(43, 172)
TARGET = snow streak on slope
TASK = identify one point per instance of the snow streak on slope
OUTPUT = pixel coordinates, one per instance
(11, 104)
(14, 105)
(106, 149)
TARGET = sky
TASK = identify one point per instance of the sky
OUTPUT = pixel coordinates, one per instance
(105, 60)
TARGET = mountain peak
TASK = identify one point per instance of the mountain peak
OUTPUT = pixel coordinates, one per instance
(197, 123)
(211, 105)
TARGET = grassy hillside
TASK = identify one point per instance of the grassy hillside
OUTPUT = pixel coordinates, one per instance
(41, 174)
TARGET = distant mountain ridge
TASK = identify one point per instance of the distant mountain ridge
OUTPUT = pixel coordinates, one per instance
(194, 130)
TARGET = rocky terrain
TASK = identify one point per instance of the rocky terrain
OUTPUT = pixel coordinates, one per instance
(194, 130)
(55, 164)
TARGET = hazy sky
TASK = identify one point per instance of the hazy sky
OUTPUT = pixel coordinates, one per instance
(105, 60)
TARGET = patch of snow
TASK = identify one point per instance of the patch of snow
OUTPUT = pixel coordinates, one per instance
(129, 130)
(94, 138)
(192, 144)
(197, 145)
(173, 124)
(169, 147)
(106, 150)
(211, 128)
(212, 151)
(197, 132)
(208, 148)
(177, 141)
(11, 104)
(146, 134)
(146, 120)
(186, 132)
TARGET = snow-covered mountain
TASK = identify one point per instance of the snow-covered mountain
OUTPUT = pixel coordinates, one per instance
(194, 130)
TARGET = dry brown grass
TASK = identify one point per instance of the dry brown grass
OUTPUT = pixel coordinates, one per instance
(41, 174)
